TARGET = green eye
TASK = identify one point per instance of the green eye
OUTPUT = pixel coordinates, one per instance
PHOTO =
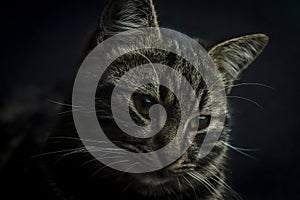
(143, 104)
(203, 122)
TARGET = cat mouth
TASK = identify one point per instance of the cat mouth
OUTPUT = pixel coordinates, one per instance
(164, 176)
(167, 174)
(178, 168)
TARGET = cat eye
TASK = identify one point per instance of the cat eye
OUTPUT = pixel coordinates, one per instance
(203, 122)
(143, 103)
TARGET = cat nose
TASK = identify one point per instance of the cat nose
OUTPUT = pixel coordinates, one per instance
(180, 166)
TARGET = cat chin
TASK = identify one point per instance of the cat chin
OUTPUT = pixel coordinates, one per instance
(154, 180)
(153, 184)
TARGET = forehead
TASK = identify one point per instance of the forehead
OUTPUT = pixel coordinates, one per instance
(125, 63)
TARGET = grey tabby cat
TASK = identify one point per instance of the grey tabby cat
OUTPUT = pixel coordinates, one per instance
(77, 175)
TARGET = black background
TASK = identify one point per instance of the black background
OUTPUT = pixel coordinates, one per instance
(42, 41)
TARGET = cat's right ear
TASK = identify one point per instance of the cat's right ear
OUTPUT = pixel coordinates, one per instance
(123, 15)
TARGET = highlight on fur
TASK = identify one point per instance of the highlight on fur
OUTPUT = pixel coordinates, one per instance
(194, 178)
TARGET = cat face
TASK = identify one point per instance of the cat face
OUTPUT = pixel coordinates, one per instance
(231, 57)
(140, 103)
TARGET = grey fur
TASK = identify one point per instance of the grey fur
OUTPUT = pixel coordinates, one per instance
(206, 179)
(235, 55)
(123, 15)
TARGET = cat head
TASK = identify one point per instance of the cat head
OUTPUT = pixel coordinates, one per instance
(231, 58)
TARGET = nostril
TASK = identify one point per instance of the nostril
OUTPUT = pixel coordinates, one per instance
(181, 166)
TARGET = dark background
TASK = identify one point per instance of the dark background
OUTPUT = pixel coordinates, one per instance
(41, 46)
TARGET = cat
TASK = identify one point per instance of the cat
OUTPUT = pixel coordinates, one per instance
(71, 170)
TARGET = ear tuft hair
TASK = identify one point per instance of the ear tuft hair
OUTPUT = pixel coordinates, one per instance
(123, 15)
(235, 55)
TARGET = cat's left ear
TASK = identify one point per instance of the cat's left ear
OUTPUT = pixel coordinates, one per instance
(233, 56)
(124, 15)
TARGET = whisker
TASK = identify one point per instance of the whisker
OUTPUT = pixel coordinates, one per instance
(89, 161)
(222, 182)
(78, 139)
(94, 174)
(66, 155)
(63, 104)
(85, 140)
(203, 182)
(227, 187)
(206, 183)
(103, 157)
(127, 186)
(253, 84)
(244, 149)
(69, 111)
(130, 167)
(209, 184)
(193, 188)
(238, 150)
(179, 184)
(246, 99)
(94, 148)
(154, 70)
(107, 151)
(245, 84)
(56, 152)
